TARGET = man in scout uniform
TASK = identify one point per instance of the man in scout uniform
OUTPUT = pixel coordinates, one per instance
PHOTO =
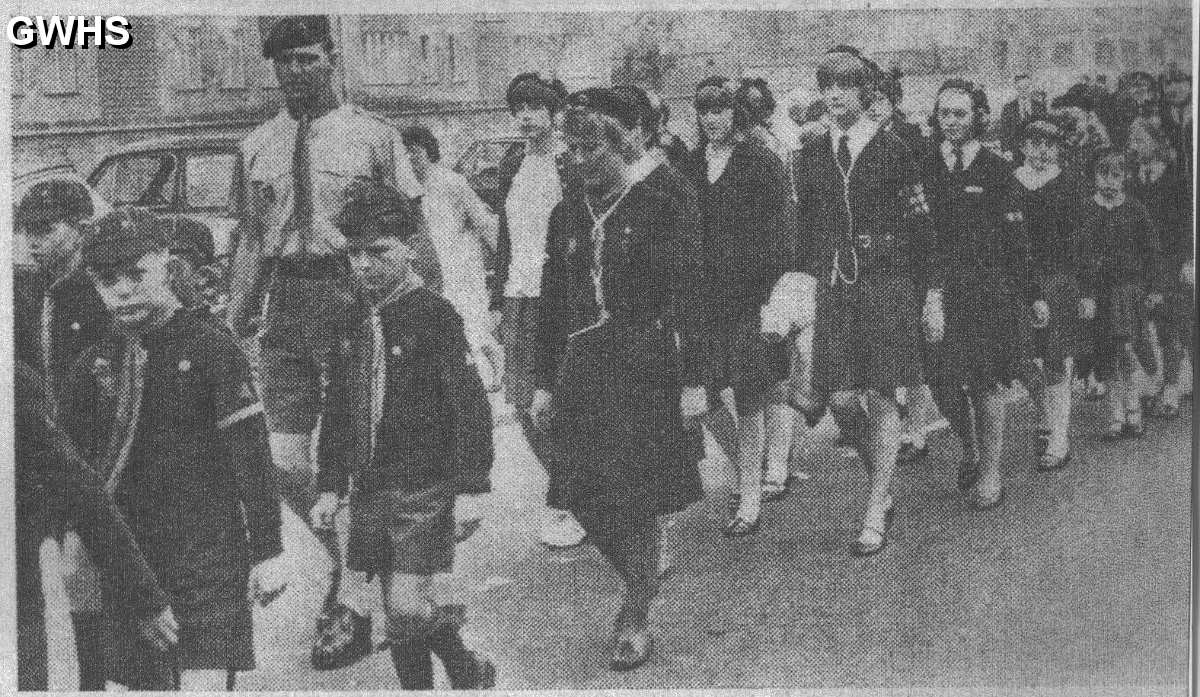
(297, 167)
(165, 411)
(417, 426)
(57, 315)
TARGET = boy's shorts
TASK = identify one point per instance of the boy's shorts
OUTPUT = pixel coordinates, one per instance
(405, 532)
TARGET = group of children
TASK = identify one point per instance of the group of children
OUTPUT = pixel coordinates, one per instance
(646, 295)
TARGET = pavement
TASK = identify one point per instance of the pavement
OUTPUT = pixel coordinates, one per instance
(1078, 584)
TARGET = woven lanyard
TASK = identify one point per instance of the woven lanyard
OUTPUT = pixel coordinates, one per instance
(597, 236)
(845, 170)
(129, 410)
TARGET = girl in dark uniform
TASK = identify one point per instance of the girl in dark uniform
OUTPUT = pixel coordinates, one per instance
(1155, 181)
(866, 236)
(744, 220)
(1049, 199)
(1121, 282)
(983, 251)
(619, 364)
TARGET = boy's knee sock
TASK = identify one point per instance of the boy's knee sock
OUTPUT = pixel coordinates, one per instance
(409, 639)
(89, 649)
(465, 669)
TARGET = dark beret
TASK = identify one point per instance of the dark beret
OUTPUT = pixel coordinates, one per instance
(375, 209)
(610, 102)
(52, 201)
(1042, 129)
(282, 33)
(1073, 98)
(122, 237)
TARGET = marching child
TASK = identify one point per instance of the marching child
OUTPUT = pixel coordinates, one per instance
(416, 426)
(1049, 200)
(1120, 255)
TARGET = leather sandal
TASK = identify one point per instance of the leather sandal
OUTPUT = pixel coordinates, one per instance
(775, 491)
(631, 648)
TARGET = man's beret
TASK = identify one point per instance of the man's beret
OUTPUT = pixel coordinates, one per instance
(52, 201)
(610, 102)
(375, 209)
(292, 32)
(1042, 129)
(124, 236)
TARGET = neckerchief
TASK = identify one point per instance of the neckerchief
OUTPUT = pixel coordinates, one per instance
(597, 235)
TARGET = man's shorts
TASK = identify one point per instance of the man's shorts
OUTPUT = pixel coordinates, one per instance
(405, 532)
(306, 321)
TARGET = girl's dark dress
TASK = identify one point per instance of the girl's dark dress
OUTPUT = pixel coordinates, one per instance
(616, 377)
(983, 248)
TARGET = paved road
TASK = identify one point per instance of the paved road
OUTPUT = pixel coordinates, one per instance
(1081, 579)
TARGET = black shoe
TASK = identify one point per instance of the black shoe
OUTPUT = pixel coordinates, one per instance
(968, 474)
(740, 527)
(343, 638)
(1041, 442)
(1136, 430)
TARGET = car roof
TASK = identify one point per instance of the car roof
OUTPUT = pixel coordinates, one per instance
(191, 142)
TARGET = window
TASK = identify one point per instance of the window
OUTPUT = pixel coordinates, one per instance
(185, 59)
(1106, 53)
(233, 70)
(451, 60)
(385, 58)
(209, 179)
(1000, 55)
(425, 58)
(60, 71)
(138, 180)
(1063, 55)
(1035, 57)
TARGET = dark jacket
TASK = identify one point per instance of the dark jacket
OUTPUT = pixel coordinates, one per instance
(616, 386)
(53, 482)
(1050, 215)
(436, 423)
(1168, 199)
(978, 218)
(173, 423)
(884, 217)
(1011, 124)
(745, 223)
(1118, 247)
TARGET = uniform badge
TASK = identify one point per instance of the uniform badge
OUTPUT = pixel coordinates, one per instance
(74, 326)
(185, 365)
(973, 189)
(396, 351)
(572, 246)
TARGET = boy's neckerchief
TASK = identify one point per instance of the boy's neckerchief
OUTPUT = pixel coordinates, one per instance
(1033, 179)
(1109, 205)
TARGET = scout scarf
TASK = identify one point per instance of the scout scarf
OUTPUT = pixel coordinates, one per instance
(1033, 179)
(125, 382)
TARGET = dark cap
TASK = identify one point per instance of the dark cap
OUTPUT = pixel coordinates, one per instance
(610, 102)
(122, 237)
(282, 33)
(647, 113)
(531, 89)
(1042, 129)
(375, 209)
(52, 201)
(1073, 98)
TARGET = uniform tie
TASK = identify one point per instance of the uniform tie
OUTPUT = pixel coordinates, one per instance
(302, 174)
(958, 159)
(843, 153)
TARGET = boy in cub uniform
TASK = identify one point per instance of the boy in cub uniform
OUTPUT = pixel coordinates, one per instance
(165, 411)
(415, 429)
(57, 315)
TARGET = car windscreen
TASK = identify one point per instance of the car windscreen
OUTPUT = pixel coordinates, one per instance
(143, 179)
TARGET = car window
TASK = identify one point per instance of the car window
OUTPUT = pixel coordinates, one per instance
(139, 180)
(209, 180)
